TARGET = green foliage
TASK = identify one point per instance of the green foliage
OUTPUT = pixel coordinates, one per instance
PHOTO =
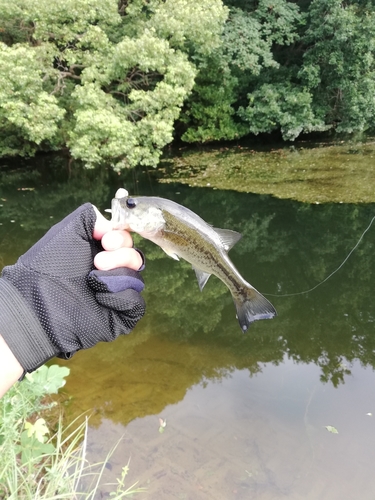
(339, 64)
(48, 380)
(27, 111)
(135, 133)
(34, 464)
(208, 113)
(33, 442)
(288, 67)
(25, 399)
(243, 62)
(280, 106)
(115, 82)
(107, 80)
(23, 444)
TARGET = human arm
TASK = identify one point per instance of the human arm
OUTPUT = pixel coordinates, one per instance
(113, 252)
(10, 368)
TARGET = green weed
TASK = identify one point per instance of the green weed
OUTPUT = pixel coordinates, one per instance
(36, 463)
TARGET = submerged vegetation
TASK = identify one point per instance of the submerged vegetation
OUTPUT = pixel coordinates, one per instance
(340, 173)
(39, 458)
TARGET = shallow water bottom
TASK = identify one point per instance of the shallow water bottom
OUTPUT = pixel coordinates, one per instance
(260, 437)
(310, 173)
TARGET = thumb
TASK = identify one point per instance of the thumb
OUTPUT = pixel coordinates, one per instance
(102, 225)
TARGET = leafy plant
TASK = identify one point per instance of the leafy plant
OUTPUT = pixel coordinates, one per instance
(33, 441)
(106, 79)
(37, 465)
(293, 67)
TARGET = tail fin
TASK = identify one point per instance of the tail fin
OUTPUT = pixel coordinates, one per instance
(253, 308)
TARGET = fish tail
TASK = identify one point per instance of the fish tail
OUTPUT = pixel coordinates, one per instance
(251, 307)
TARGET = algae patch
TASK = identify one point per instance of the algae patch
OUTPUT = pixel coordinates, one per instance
(333, 173)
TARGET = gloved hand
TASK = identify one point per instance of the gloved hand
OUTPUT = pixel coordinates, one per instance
(53, 302)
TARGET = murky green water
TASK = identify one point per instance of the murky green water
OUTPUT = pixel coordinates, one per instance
(246, 414)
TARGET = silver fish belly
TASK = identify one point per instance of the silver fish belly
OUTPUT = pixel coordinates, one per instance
(183, 234)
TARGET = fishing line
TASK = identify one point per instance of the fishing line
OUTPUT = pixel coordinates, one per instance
(329, 276)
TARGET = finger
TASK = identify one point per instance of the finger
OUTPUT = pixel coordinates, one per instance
(115, 280)
(113, 240)
(122, 257)
(102, 225)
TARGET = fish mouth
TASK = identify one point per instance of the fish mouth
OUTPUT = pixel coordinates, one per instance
(121, 193)
(119, 215)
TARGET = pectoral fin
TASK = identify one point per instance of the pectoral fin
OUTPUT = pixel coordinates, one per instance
(170, 253)
(202, 277)
(228, 237)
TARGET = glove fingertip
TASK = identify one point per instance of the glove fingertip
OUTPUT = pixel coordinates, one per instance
(116, 280)
(128, 301)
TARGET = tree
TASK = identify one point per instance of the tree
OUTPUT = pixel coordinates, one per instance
(338, 66)
(232, 79)
(107, 80)
(294, 67)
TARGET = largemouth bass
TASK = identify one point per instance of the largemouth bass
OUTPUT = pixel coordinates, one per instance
(182, 233)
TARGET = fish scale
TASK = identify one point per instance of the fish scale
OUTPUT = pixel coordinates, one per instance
(205, 253)
(182, 233)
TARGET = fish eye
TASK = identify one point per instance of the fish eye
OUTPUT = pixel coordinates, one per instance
(131, 203)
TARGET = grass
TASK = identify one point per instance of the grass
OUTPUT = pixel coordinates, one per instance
(36, 463)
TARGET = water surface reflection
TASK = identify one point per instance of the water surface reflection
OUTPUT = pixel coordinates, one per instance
(246, 414)
(262, 437)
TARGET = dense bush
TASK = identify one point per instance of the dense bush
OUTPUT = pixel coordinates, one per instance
(105, 79)
(117, 81)
(294, 67)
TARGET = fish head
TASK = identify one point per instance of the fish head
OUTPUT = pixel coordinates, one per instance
(138, 214)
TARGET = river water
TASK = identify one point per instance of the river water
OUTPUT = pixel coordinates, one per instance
(246, 415)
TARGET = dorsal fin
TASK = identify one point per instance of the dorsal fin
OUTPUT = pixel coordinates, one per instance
(228, 237)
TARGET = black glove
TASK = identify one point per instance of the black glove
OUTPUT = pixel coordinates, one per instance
(53, 302)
